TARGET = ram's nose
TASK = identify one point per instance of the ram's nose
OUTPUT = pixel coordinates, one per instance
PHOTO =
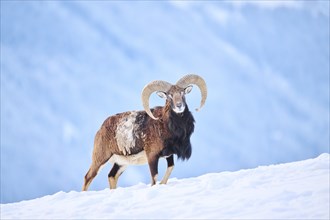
(179, 104)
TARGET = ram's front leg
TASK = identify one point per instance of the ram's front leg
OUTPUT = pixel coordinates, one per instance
(153, 166)
(170, 166)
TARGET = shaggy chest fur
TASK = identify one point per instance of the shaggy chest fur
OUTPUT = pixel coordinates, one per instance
(180, 128)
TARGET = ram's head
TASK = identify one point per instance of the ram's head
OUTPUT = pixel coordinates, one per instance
(174, 93)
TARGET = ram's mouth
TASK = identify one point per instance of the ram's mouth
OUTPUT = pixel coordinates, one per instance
(179, 109)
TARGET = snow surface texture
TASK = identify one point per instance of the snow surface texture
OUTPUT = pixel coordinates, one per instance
(297, 190)
(68, 65)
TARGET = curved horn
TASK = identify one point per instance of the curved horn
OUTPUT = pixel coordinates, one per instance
(198, 81)
(157, 85)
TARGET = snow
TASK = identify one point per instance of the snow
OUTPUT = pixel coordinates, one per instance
(296, 190)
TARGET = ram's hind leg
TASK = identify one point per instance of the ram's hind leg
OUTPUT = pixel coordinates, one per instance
(114, 174)
(170, 166)
(92, 172)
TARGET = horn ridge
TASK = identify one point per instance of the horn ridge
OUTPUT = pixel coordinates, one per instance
(196, 80)
(157, 85)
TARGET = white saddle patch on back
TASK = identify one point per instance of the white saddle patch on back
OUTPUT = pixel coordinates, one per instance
(125, 136)
(134, 159)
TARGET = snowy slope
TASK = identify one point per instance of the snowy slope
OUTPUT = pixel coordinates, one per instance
(68, 65)
(297, 190)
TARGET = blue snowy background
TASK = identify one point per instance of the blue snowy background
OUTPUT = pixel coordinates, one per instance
(68, 65)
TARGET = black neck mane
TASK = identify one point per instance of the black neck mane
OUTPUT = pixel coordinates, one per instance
(181, 127)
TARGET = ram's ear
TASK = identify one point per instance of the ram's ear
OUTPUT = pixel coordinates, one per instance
(188, 89)
(161, 94)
